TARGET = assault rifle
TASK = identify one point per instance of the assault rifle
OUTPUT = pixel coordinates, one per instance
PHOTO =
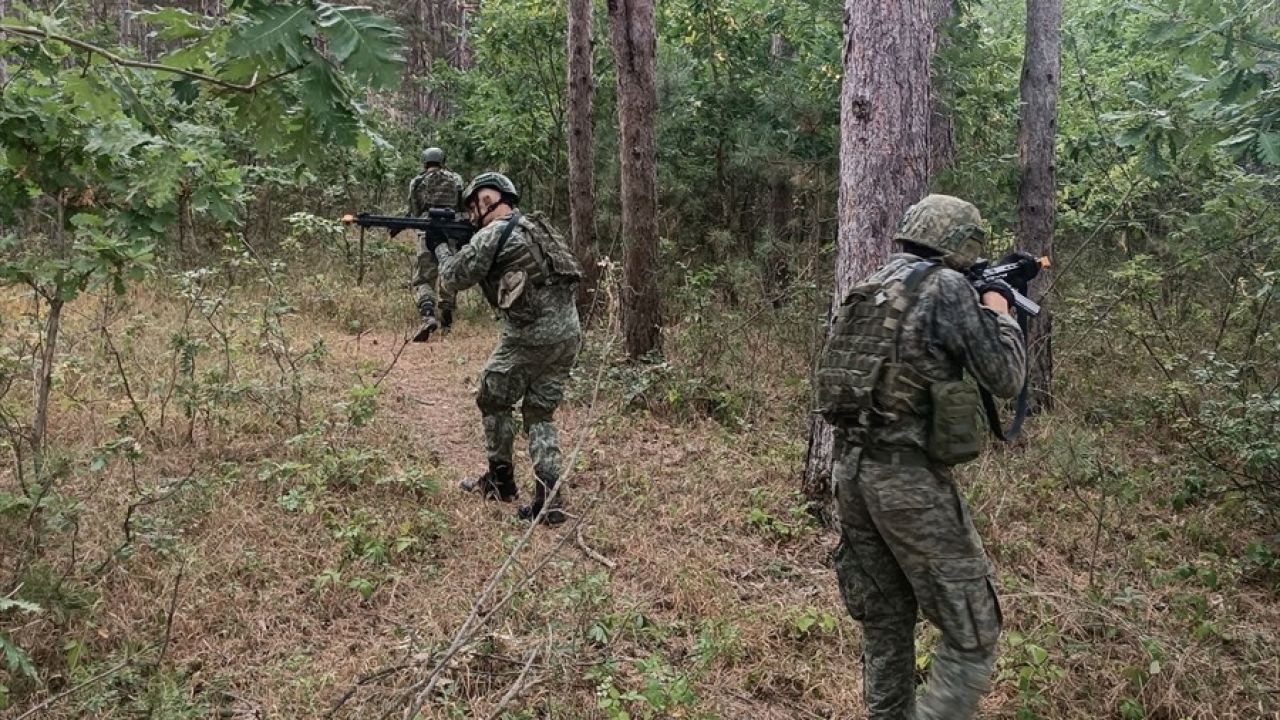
(1016, 270)
(1010, 277)
(439, 225)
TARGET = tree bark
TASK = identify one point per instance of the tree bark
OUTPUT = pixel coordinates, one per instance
(942, 133)
(582, 138)
(631, 30)
(1037, 193)
(884, 158)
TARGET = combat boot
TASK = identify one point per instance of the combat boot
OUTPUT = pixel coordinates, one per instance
(429, 322)
(555, 509)
(446, 315)
(499, 483)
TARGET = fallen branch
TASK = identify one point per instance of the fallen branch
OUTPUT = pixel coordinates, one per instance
(100, 676)
(586, 550)
(516, 688)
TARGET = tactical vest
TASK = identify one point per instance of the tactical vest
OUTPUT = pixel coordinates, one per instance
(860, 380)
(544, 256)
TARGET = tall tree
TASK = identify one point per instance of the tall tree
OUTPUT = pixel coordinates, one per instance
(631, 31)
(1036, 137)
(582, 138)
(436, 31)
(884, 155)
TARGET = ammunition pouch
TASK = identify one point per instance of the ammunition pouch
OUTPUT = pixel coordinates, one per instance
(953, 427)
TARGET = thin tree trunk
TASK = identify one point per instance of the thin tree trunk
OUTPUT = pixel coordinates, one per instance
(582, 138)
(44, 382)
(884, 157)
(1037, 192)
(942, 134)
(631, 29)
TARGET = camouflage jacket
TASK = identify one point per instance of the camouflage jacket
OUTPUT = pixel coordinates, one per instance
(549, 313)
(434, 188)
(946, 332)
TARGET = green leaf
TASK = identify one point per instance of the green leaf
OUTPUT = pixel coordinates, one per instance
(173, 23)
(16, 660)
(1133, 136)
(276, 31)
(366, 45)
(1269, 148)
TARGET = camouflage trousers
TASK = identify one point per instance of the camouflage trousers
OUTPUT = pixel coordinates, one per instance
(534, 376)
(426, 277)
(908, 544)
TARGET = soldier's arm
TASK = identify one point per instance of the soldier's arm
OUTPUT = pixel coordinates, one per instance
(988, 343)
(412, 202)
(467, 266)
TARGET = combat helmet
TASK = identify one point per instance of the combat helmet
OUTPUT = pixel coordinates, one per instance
(433, 155)
(494, 180)
(947, 225)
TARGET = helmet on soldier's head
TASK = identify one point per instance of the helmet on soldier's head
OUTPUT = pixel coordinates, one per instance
(494, 180)
(433, 155)
(947, 225)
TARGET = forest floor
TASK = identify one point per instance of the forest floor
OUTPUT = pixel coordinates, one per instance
(321, 572)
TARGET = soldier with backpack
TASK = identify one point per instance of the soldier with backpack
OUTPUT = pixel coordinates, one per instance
(435, 188)
(528, 273)
(891, 380)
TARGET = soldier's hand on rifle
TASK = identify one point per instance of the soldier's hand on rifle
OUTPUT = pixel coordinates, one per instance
(997, 295)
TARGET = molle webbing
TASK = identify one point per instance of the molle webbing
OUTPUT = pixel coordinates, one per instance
(860, 377)
(543, 257)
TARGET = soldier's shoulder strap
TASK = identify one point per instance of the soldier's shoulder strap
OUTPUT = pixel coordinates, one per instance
(919, 271)
(512, 223)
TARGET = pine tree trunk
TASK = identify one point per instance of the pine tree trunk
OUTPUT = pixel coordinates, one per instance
(582, 196)
(884, 157)
(631, 29)
(1037, 193)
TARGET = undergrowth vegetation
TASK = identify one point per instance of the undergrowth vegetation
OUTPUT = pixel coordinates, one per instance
(229, 485)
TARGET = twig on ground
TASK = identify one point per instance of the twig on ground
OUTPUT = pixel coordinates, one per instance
(516, 687)
(66, 693)
(173, 607)
(586, 550)
(394, 359)
(361, 682)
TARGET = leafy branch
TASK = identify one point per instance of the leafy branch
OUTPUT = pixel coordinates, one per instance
(114, 59)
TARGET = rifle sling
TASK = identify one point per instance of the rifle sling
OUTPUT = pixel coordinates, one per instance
(512, 222)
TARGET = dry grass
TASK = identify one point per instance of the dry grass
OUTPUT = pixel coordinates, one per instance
(721, 603)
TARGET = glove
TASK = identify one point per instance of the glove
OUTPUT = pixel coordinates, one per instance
(995, 286)
(1028, 268)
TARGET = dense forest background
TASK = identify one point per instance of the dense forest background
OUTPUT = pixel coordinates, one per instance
(228, 483)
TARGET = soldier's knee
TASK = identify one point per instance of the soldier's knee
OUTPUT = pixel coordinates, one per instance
(494, 394)
(965, 606)
(535, 414)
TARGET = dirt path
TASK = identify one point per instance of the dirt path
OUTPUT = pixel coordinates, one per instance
(432, 390)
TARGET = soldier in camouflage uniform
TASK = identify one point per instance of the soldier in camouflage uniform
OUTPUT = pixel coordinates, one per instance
(889, 379)
(530, 276)
(436, 187)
